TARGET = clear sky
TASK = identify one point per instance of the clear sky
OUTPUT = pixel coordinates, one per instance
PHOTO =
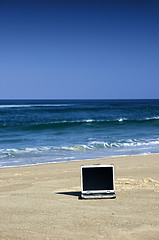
(79, 49)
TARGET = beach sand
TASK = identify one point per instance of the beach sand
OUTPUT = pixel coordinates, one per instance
(41, 202)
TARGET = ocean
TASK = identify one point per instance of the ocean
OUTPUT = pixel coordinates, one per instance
(44, 131)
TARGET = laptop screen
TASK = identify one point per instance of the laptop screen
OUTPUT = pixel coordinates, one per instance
(97, 178)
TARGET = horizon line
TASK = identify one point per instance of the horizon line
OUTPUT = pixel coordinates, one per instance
(65, 99)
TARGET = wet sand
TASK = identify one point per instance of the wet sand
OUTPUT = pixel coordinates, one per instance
(41, 202)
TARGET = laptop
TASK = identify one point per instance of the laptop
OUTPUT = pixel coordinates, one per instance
(97, 181)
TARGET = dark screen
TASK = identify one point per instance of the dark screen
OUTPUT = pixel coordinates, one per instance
(97, 178)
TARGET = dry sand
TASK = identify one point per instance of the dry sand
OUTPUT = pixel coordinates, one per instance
(41, 202)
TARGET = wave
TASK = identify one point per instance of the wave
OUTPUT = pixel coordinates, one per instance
(76, 123)
(95, 145)
(14, 152)
(152, 118)
(92, 145)
(34, 105)
(93, 122)
(122, 119)
(138, 120)
(128, 143)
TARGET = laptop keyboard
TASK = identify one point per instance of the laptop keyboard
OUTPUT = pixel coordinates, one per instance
(103, 195)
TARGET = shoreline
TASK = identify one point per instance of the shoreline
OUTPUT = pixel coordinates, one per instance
(41, 201)
(56, 162)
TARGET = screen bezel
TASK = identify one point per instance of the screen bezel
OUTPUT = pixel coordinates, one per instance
(97, 166)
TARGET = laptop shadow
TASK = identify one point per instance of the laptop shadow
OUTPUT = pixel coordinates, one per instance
(75, 194)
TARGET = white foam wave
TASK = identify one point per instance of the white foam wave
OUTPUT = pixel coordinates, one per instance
(34, 105)
(153, 118)
(122, 119)
(76, 121)
(83, 121)
(101, 145)
(128, 143)
(88, 120)
(92, 145)
(15, 151)
(13, 106)
(95, 145)
(75, 148)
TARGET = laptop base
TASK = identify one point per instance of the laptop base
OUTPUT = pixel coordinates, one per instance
(97, 196)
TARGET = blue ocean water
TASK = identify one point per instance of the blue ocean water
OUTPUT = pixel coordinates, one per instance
(41, 131)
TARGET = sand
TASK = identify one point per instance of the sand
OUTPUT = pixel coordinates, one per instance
(41, 202)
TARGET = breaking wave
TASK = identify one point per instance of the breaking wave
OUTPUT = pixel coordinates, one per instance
(92, 145)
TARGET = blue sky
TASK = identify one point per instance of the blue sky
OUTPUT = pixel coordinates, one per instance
(79, 49)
